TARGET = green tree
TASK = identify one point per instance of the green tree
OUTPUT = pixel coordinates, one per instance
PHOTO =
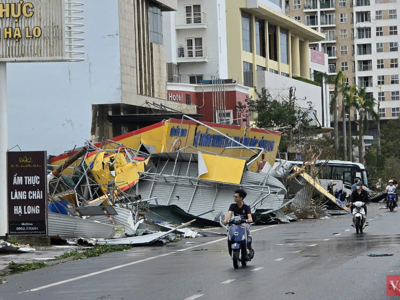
(364, 103)
(283, 114)
(349, 95)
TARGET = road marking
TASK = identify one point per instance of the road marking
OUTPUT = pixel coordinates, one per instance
(371, 219)
(194, 297)
(312, 245)
(336, 234)
(298, 251)
(129, 264)
(326, 240)
(228, 281)
(279, 259)
(257, 269)
(347, 230)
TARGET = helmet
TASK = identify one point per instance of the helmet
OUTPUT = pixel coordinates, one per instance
(390, 181)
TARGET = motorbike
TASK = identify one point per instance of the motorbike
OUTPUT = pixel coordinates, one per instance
(359, 220)
(391, 200)
(239, 242)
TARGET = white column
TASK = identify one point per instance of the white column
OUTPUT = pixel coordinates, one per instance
(3, 150)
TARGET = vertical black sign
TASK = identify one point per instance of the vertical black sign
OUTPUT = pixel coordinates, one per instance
(27, 192)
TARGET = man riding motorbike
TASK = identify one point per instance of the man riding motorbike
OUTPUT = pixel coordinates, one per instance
(359, 195)
(391, 188)
(239, 208)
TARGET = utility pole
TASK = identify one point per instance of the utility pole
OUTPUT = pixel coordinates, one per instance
(379, 123)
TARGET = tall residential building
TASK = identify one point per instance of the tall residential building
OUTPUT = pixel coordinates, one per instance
(362, 41)
(239, 40)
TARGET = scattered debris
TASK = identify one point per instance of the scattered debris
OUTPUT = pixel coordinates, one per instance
(16, 268)
(92, 252)
(6, 247)
(379, 255)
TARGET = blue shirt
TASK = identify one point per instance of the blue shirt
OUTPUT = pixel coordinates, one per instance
(354, 187)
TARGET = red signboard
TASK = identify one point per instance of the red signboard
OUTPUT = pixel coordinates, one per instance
(27, 192)
(317, 57)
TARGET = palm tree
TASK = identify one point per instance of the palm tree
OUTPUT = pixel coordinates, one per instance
(339, 82)
(364, 103)
(349, 94)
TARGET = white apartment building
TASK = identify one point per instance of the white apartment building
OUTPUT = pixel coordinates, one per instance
(377, 52)
(195, 40)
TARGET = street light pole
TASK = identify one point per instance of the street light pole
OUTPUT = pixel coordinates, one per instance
(379, 123)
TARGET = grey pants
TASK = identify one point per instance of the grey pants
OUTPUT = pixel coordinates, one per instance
(247, 226)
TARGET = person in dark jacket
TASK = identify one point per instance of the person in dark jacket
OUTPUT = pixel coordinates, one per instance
(359, 195)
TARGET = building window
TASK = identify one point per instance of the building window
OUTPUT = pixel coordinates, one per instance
(343, 34)
(379, 47)
(394, 79)
(193, 14)
(347, 81)
(381, 96)
(272, 42)
(378, 15)
(296, 4)
(194, 47)
(342, 3)
(393, 46)
(155, 24)
(273, 71)
(344, 66)
(343, 18)
(247, 74)
(260, 37)
(392, 30)
(379, 31)
(380, 64)
(246, 31)
(363, 16)
(297, 18)
(395, 111)
(188, 100)
(364, 49)
(261, 68)
(381, 80)
(394, 63)
(353, 51)
(284, 74)
(284, 46)
(195, 79)
(343, 50)
(364, 33)
(392, 13)
(382, 112)
(395, 96)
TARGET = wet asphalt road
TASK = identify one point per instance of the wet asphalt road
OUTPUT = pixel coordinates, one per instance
(308, 259)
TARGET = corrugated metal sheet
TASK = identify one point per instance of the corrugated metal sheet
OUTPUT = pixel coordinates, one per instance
(124, 218)
(74, 227)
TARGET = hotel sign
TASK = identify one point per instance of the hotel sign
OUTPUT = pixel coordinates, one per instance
(317, 57)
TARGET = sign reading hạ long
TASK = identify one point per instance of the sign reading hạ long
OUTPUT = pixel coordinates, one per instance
(27, 192)
(35, 30)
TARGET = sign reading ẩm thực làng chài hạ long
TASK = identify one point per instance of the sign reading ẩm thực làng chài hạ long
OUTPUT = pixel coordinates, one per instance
(27, 192)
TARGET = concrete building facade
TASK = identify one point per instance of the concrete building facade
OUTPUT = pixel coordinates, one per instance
(361, 41)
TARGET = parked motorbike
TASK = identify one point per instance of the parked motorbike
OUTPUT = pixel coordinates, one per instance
(359, 220)
(391, 200)
(239, 242)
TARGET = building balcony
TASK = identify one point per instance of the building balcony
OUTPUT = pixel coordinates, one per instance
(364, 68)
(329, 5)
(192, 54)
(197, 20)
(310, 5)
(331, 69)
(329, 38)
(312, 22)
(331, 54)
(328, 22)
